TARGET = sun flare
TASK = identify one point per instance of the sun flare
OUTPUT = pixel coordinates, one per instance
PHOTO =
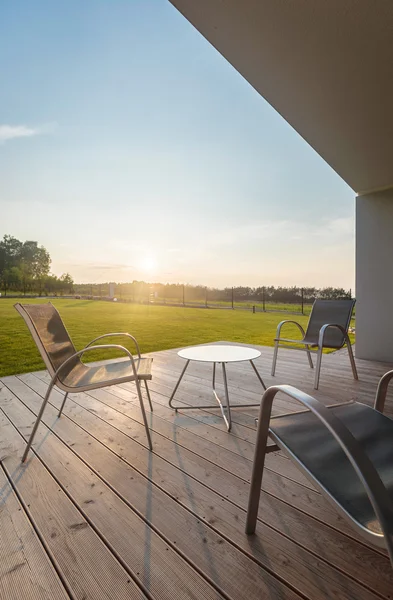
(148, 264)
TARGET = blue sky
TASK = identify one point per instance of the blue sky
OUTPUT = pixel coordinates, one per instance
(132, 150)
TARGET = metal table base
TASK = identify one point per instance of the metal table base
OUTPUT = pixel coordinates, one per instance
(225, 410)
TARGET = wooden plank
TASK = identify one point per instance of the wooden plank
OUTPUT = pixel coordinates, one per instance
(25, 569)
(300, 567)
(242, 380)
(209, 429)
(182, 529)
(86, 565)
(297, 371)
(308, 501)
(248, 389)
(190, 385)
(157, 567)
(187, 429)
(329, 545)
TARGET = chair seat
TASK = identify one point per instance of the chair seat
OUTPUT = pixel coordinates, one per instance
(84, 376)
(305, 342)
(319, 454)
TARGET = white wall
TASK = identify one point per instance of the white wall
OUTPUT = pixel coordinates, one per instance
(374, 276)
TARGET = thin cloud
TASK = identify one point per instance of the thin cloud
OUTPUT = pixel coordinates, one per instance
(101, 267)
(12, 132)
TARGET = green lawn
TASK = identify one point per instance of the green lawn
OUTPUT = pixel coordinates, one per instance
(155, 327)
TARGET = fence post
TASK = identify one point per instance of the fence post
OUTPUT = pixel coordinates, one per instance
(232, 298)
(206, 297)
(263, 299)
(184, 303)
(302, 301)
(350, 293)
(253, 309)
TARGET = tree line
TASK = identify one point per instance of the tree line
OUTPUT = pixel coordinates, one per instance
(25, 268)
(142, 291)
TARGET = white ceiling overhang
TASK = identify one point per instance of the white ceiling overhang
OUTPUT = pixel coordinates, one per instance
(325, 65)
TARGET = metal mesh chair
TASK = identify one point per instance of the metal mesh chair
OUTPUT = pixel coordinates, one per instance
(346, 450)
(66, 368)
(327, 328)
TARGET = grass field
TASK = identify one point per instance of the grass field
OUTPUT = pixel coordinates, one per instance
(155, 327)
(269, 306)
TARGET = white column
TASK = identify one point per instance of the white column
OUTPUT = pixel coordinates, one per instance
(374, 276)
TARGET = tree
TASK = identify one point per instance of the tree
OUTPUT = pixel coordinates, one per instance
(25, 266)
(67, 283)
(27, 259)
(9, 252)
(9, 255)
(41, 266)
(5, 280)
(25, 276)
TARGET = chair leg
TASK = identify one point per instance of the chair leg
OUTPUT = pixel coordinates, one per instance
(139, 391)
(62, 404)
(309, 357)
(318, 367)
(39, 417)
(382, 389)
(148, 395)
(352, 359)
(274, 359)
(258, 467)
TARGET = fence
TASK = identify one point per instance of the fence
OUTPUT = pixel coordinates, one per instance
(261, 299)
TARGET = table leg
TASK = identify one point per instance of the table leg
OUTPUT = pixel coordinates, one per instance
(222, 408)
(177, 385)
(225, 410)
(258, 375)
(229, 420)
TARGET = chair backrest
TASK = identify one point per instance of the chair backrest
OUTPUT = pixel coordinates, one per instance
(338, 312)
(49, 334)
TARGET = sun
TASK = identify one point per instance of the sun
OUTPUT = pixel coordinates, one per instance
(148, 264)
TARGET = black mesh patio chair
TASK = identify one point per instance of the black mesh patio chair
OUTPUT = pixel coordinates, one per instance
(345, 450)
(66, 368)
(327, 328)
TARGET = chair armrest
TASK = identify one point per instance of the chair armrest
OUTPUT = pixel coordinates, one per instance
(382, 389)
(376, 491)
(279, 326)
(324, 328)
(116, 335)
(98, 347)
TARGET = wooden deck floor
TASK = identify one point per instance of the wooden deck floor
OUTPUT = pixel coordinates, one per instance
(94, 515)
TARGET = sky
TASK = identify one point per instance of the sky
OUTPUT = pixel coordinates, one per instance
(131, 149)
